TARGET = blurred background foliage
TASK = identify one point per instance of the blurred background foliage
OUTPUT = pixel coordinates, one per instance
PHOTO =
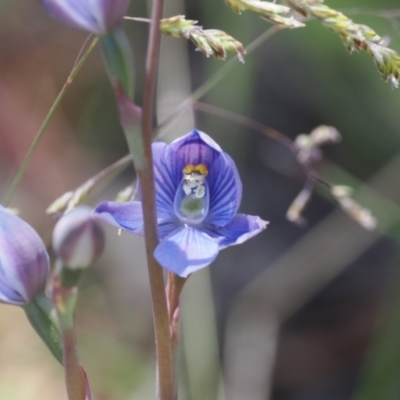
(298, 312)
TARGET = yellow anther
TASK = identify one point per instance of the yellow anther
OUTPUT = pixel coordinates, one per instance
(200, 169)
(189, 169)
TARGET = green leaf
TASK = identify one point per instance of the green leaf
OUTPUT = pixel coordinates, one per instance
(118, 59)
(41, 315)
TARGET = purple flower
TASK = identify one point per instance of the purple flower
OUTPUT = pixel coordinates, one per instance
(24, 262)
(95, 16)
(198, 194)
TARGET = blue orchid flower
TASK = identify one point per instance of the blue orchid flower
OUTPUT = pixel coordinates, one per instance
(95, 16)
(24, 262)
(198, 193)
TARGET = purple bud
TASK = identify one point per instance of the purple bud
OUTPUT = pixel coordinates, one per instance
(95, 16)
(24, 262)
(78, 238)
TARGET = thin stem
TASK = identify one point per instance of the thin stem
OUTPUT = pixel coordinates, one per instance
(42, 129)
(73, 375)
(82, 50)
(137, 19)
(173, 290)
(64, 300)
(213, 80)
(99, 181)
(302, 199)
(249, 122)
(166, 389)
(210, 83)
(294, 213)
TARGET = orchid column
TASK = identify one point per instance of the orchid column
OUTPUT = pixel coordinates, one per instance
(104, 18)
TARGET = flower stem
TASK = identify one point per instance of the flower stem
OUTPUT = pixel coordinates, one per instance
(174, 288)
(8, 196)
(165, 385)
(64, 300)
(73, 375)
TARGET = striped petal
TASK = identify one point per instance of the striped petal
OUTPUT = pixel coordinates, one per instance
(95, 16)
(127, 216)
(167, 227)
(223, 178)
(24, 262)
(242, 227)
(196, 148)
(225, 191)
(167, 174)
(186, 250)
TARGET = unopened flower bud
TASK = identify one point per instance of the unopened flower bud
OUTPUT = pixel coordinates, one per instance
(24, 262)
(78, 238)
(24, 270)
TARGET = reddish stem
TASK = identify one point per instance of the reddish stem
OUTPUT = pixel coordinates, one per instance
(63, 299)
(166, 387)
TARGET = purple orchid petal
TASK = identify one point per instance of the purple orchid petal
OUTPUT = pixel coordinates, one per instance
(24, 262)
(95, 16)
(196, 148)
(225, 191)
(186, 250)
(167, 227)
(223, 178)
(127, 216)
(243, 227)
(167, 175)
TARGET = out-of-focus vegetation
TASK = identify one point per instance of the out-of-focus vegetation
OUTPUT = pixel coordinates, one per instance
(299, 312)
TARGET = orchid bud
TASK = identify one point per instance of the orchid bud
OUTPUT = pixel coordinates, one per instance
(78, 238)
(24, 262)
(95, 16)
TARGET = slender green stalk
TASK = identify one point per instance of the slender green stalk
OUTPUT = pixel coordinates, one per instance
(213, 80)
(222, 72)
(8, 196)
(165, 384)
